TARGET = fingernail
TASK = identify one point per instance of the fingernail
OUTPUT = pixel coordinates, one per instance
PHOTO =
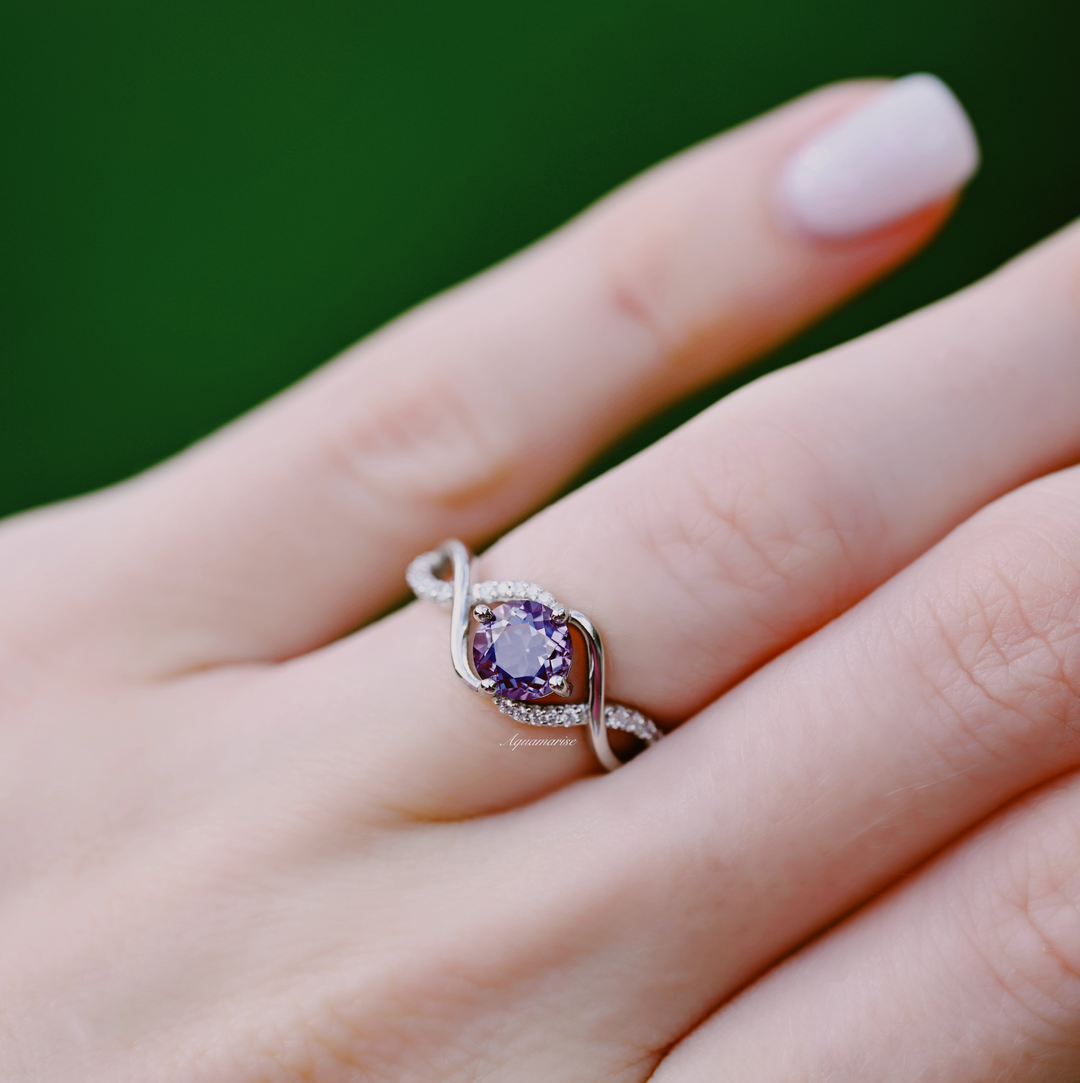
(910, 145)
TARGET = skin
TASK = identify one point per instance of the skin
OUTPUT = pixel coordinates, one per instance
(242, 843)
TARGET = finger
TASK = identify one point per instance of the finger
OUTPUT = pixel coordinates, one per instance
(744, 531)
(819, 781)
(968, 973)
(294, 525)
(826, 776)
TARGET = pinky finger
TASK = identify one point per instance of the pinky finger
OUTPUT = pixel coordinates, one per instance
(968, 973)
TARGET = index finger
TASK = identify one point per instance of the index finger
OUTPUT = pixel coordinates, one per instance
(295, 524)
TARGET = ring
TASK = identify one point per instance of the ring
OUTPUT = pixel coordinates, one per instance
(522, 649)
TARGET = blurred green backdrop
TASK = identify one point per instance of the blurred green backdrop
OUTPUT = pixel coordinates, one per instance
(203, 200)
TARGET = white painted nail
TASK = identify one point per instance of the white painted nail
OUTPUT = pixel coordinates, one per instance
(910, 145)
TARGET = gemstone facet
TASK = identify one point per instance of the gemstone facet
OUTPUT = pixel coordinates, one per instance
(522, 649)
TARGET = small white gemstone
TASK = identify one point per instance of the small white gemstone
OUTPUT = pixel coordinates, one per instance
(576, 714)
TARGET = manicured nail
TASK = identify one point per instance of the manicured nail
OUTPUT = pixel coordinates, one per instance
(910, 145)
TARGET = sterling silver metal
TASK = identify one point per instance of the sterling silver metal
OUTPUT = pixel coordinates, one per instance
(466, 598)
(561, 687)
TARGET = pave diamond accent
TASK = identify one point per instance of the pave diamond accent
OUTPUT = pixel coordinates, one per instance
(543, 714)
(505, 590)
(616, 715)
(425, 583)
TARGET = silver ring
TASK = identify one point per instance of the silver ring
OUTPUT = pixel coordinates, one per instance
(527, 669)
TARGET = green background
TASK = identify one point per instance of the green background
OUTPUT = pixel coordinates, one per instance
(203, 200)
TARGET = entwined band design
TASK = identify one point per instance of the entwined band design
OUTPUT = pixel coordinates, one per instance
(521, 650)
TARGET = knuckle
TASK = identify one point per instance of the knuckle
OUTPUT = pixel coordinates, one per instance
(634, 280)
(748, 520)
(1027, 922)
(428, 441)
(1001, 641)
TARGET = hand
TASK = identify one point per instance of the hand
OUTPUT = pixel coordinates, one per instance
(242, 845)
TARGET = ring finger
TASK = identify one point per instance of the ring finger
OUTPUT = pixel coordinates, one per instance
(822, 779)
(743, 532)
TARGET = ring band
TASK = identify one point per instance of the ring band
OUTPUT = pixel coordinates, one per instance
(522, 649)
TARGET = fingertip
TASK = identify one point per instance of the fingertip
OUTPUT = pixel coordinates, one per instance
(910, 147)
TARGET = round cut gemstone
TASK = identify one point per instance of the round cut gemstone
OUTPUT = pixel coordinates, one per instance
(522, 649)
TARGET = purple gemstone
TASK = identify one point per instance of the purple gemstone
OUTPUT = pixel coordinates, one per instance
(522, 649)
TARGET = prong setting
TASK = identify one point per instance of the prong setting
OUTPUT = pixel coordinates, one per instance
(561, 686)
(528, 604)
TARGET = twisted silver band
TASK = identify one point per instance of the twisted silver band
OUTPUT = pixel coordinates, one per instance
(461, 594)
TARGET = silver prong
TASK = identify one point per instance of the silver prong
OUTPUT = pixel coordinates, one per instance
(560, 614)
(561, 686)
(487, 686)
(483, 614)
